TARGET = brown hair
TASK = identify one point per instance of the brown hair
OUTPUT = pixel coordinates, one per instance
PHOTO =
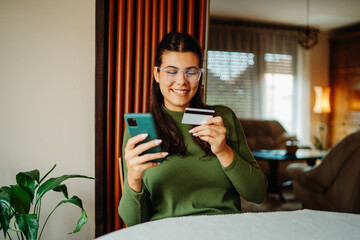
(173, 141)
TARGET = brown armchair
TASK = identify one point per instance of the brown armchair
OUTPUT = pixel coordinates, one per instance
(334, 184)
(265, 134)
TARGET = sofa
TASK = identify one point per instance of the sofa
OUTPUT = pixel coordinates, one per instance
(267, 134)
(334, 184)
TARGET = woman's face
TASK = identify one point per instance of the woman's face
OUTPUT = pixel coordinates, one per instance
(178, 94)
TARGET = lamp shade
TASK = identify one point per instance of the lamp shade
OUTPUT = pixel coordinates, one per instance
(322, 100)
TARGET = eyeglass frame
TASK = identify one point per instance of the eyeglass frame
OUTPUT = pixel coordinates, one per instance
(201, 70)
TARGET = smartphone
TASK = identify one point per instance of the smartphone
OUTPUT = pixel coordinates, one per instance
(138, 123)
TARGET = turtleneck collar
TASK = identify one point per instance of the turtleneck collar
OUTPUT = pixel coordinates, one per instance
(176, 115)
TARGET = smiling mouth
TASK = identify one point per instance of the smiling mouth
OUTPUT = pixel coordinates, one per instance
(180, 91)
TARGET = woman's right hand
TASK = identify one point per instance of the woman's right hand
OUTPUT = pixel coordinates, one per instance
(136, 165)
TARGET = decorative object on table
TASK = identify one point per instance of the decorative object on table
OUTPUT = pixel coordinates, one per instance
(318, 144)
(291, 147)
(308, 38)
(16, 201)
(334, 184)
(322, 106)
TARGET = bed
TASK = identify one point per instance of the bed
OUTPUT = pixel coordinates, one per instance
(300, 224)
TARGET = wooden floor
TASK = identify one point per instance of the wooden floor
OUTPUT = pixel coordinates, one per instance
(272, 203)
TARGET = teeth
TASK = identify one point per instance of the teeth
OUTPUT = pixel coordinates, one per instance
(180, 92)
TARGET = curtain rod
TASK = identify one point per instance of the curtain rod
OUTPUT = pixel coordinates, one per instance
(244, 23)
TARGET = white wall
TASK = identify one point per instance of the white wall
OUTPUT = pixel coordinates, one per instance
(47, 73)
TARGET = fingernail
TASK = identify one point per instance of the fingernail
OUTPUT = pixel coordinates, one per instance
(158, 141)
(144, 135)
(164, 153)
(203, 122)
(191, 131)
(195, 134)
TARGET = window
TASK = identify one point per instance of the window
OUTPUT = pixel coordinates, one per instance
(230, 82)
(260, 72)
(279, 89)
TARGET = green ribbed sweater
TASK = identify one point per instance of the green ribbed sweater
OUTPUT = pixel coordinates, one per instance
(191, 185)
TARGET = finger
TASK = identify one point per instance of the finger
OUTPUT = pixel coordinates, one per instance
(204, 132)
(150, 165)
(200, 128)
(136, 171)
(131, 144)
(212, 138)
(146, 165)
(210, 130)
(145, 146)
(134, 140)
(215, 120)
(150, 157)
(208, 139)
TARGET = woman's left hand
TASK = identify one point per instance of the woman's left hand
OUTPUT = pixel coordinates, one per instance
(213, 131)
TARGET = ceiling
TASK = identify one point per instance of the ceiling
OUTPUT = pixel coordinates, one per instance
(325, 15)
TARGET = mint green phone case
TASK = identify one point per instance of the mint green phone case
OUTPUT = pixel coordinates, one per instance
(138, 123)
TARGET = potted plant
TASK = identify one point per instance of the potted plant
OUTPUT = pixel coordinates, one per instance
(20, 204)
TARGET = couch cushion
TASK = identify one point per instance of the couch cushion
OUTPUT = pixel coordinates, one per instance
(264, 134)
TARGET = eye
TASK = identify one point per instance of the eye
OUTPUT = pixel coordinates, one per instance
(171, 71)
(192, 71)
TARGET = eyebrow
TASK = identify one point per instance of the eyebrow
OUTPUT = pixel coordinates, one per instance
(179, 68)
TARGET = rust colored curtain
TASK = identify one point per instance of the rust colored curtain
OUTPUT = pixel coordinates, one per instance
(127, 34)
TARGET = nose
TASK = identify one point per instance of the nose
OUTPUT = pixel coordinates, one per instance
(181, 78)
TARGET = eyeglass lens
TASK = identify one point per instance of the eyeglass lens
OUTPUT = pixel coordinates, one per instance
(191, 74)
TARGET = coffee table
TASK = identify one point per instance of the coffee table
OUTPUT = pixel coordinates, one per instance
(274, 157)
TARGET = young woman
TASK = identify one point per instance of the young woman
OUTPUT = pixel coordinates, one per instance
(207, 167)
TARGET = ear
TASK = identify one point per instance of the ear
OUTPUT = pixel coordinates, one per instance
(156, 74)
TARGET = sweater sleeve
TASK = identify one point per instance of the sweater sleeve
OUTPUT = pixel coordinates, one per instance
(244, 172)
(134, 207)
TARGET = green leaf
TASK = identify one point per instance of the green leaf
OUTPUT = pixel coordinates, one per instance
(6, 190)
(34, 174)
(53, 183)
(5, 210)
(29, 224)
(42, 179)
(83, 219)
(20, 200)
(26, 180)
(62, 188)
(74, 200)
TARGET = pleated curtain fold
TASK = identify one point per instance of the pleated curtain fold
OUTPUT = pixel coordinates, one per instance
(127, 34)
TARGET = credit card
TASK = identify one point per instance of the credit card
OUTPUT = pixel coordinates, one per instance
(195, 116)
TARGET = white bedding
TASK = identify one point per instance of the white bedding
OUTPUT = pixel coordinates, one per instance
(301, 224)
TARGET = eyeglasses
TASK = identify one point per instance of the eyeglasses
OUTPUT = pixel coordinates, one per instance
(192, 74)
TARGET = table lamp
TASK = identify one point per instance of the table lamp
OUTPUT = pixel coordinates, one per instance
(322, 106)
